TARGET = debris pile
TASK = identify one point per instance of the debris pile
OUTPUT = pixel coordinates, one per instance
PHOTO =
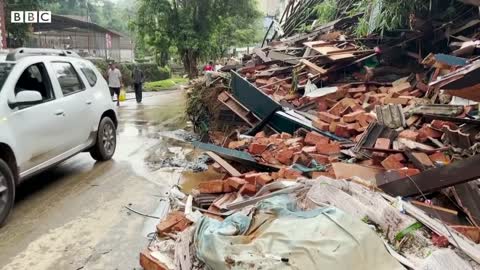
(377, 129)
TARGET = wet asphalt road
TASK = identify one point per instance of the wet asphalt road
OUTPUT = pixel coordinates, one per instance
(73, 216)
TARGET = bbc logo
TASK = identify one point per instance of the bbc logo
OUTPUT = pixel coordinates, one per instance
(31, 17)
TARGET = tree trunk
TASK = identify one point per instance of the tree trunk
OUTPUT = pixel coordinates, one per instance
(190, 63)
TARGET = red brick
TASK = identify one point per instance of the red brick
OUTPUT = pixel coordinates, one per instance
(404, 172)
(352, 117)
(438, 124)
(313, 138)
(328, 149)
(338, 109)
(309, 149)
(235, 182)
(148, 262)
(327, 117)
(248, 189)
(291, 174)
(382, 143)
(256, 148)
(409, 134)
(285, 136)
(439, 157)
(269, 158)
(342, 130)
(275, 136)
(166, 225)
(237, 144)
(368, 162)
(426, 132)
(214, 186)
(251, 177)
(317, 123)
(227, 188)
(264, 179)
(294, 141)
(285, 156)
(320, 159)
(260, 134)
(322, 106)
(392, 163)
(182, 225)
(398, 100)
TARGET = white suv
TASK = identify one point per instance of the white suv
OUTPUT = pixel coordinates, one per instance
(53, 105)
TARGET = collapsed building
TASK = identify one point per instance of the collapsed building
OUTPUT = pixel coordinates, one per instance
(337, 150)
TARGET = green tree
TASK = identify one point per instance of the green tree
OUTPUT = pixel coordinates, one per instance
(195, 28)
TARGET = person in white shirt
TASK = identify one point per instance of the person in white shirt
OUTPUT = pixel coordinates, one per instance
(114, 81)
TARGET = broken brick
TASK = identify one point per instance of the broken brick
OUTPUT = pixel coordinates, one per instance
(438, 124)
(320, 159)
(313, 138)
(256, 148)
(260, 134)
(408, 134)
(251, 177)
(426, 131)
(352, 117)
(237, 144)
(342, 130)
(248, 189)
(235, 182)
(439, 157)
(398, 100)
(392, 162)
(264, 179)
(328, 148)
(284, 156)
(148, 262)
(317, 123)
(213, 186)
(309, 149)
(285, 136)
(382, 143)
(167, 225)
(405, 172)
(289, 173)
(269, 158)
(227, 188)
(328, 117)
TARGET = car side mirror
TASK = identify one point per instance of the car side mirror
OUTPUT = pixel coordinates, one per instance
(26, 98)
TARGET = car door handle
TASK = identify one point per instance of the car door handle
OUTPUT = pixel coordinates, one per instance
(89, 102)
(60, 113)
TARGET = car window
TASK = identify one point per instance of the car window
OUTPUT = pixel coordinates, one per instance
(68, 78)
(5, 69)
(89, 74)
(35, 78)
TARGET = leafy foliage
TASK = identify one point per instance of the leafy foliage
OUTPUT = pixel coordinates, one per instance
(164, 84)
(196, 29)
(326, 11)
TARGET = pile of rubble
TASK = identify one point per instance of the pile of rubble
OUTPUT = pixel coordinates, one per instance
(326, 126)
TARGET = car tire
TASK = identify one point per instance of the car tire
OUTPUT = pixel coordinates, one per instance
(106, 143)
(7, 191)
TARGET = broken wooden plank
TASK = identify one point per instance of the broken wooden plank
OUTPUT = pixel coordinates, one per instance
(432, 180)
(229, 168)
(448, 215)
(316, 70)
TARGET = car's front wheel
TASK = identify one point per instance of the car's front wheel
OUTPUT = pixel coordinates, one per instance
(7, 191)
(106, 143)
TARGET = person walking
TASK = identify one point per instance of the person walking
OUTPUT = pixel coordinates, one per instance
(114, 81)
(138, 80)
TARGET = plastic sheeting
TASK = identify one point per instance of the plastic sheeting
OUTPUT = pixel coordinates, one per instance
(280, 237)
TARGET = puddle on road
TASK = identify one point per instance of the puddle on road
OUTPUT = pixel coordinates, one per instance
(190, 180)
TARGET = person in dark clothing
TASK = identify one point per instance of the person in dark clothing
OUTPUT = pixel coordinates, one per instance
(138, 79)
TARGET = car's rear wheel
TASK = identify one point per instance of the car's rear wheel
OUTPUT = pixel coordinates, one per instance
(106, 143)
(7, 191)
